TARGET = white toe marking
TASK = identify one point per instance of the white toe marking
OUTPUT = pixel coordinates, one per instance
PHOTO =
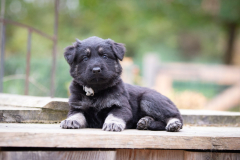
(173, 120)
(79, 117)
(112, 119)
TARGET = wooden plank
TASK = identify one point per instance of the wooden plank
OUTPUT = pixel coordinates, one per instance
(197, 155)
(190, 155)
(10, 114)
(28, 109)
(225, 156)
(210, 118)
(33, 102)
(220, 74)
(226, 100)
(31, 115)
(51, 135)
(13, 114)
(140, 154)
(125, 154)
(58, 155)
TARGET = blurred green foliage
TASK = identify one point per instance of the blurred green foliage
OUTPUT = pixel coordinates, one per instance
(144, 26)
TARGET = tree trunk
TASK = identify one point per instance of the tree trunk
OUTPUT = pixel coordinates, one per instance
(231, 33)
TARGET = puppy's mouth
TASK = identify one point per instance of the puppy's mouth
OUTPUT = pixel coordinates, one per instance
(97, 80)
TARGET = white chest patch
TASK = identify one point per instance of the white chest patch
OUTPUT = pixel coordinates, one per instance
(89, 91)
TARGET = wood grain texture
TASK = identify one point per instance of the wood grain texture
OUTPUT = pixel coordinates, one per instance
(51, 135)
(30, 115)
(197, 155)
(57, 155)
(226, 156)
(30, 109)
(140, 154)
(188, 155)
(210, 118)
(33, 102)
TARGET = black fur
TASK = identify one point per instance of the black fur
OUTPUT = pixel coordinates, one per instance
(138, 107)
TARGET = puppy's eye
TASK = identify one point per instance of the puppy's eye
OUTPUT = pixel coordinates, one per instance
(85, 58)
(105, 56)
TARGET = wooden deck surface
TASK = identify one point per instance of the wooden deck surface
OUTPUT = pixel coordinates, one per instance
(51, 135)
(29, 109)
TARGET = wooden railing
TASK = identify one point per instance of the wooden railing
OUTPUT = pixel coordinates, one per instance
(31, 30)
(217, 74)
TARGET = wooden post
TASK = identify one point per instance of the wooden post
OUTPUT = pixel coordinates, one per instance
(2, 45)
(54, 54)
(28, 61)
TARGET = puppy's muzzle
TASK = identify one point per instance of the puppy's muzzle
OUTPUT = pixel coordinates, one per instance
(96, 70)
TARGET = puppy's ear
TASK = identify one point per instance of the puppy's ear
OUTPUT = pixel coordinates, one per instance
(77, 43)
(69, 54)
(70, 51)
(118, 48)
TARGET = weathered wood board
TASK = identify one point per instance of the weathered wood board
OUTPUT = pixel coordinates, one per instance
(58, 155)
(29, 109)
(51, 135)
(210, 118)
(223, 101)
(219, 74)
(140, 154)
(30, 115)
(191, 155)
(119, 154)
(33, 102)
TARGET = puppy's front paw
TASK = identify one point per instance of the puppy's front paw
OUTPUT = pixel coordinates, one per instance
(144, 122)
(75, 121)
(174, 125)
(70, 124)
(113, 123)
(117, 127)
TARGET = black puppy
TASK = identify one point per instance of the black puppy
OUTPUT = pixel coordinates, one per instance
(99, 98)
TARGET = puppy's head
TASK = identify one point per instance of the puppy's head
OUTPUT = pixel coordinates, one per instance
(94, 61)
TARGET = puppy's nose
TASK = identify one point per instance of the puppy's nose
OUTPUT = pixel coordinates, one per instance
(96, 70)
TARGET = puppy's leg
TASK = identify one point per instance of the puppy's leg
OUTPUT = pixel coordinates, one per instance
(149, 123)
(144, 122)
(162, 110)
(174, 125)
(119, 116)
(113, 123)
(74, 121)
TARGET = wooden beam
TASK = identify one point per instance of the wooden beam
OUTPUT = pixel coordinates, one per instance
(190, 155)
(29, 109)
(58, 155)
(119, 154)
(132, 154)
(225, 100)
(219, 74)
(51, 135)
(34, 102)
